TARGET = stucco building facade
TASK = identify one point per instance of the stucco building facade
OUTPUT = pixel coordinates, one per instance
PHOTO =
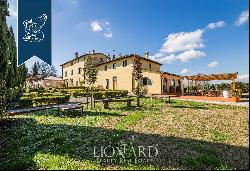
(116, 74)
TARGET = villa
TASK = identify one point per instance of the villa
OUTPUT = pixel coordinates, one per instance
(116, 73)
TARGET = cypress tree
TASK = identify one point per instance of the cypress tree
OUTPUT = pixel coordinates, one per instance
(11, 77)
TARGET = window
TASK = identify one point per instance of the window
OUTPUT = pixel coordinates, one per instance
(106, 67)
(77, 83)
(101, 60)
(79, 70)
(125, 63)
(114, 66)
(114, 83)
(84, 75)
(146, 81)
(107, 84)
(72, 72)
(65, 74)
(150, 67)
(72, 63)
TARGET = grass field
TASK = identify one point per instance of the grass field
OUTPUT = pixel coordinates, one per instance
(187, 135)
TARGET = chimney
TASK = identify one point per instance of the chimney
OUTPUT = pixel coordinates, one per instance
(108, 57)
(76, 54)
(146, 55)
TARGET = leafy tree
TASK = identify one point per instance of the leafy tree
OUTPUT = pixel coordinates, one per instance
(90, 71)
(90, 74)
(35, 69)
(46, 70)
(41, 70)
(137, 75)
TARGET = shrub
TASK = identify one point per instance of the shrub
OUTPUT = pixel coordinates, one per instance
(39, 101)
(63, 91)
(98, 95)
(237, 93)
(109, 94)
(143, 91)
(25, 102)
(123, 92)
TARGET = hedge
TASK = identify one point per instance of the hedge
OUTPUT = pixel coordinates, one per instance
(117, 93)
(36, 94)
(25, 102)
(101, 94)
(39, 101)
(73, 93)
(98, 95)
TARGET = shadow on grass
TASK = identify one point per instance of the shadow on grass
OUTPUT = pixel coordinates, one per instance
(74, 113)
(131, 108)
(22, 140)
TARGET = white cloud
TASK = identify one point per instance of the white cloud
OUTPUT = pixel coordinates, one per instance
(184, 71)
(12, 12)
(218, 24)
(167, 59)
(108, 35)
(12, 8)
(159, 55)
(183, 41)
(243, 18)
(213, 64)
(96, 26)
(243, 78)
(107, 30)
(103, 27)
(190, 54)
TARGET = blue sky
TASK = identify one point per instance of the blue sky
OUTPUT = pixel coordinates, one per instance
(187, 36)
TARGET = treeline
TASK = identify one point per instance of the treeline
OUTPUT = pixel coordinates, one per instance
(12, 77)
(244, 87)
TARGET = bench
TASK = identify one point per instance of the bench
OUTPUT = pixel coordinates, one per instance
(64, 108)
(166, 98)
(107, 101)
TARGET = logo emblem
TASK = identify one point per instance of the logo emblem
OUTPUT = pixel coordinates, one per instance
(33, 29)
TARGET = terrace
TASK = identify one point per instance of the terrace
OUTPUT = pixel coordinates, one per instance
(197, 88)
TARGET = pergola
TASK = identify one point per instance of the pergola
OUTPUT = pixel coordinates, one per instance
(212, 77)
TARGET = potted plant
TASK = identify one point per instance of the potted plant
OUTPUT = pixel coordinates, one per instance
(226, 92)
(236, 94)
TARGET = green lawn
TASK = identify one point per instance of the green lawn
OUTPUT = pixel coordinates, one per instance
(188, 135)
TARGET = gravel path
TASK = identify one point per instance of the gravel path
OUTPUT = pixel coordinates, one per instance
(72, 101)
